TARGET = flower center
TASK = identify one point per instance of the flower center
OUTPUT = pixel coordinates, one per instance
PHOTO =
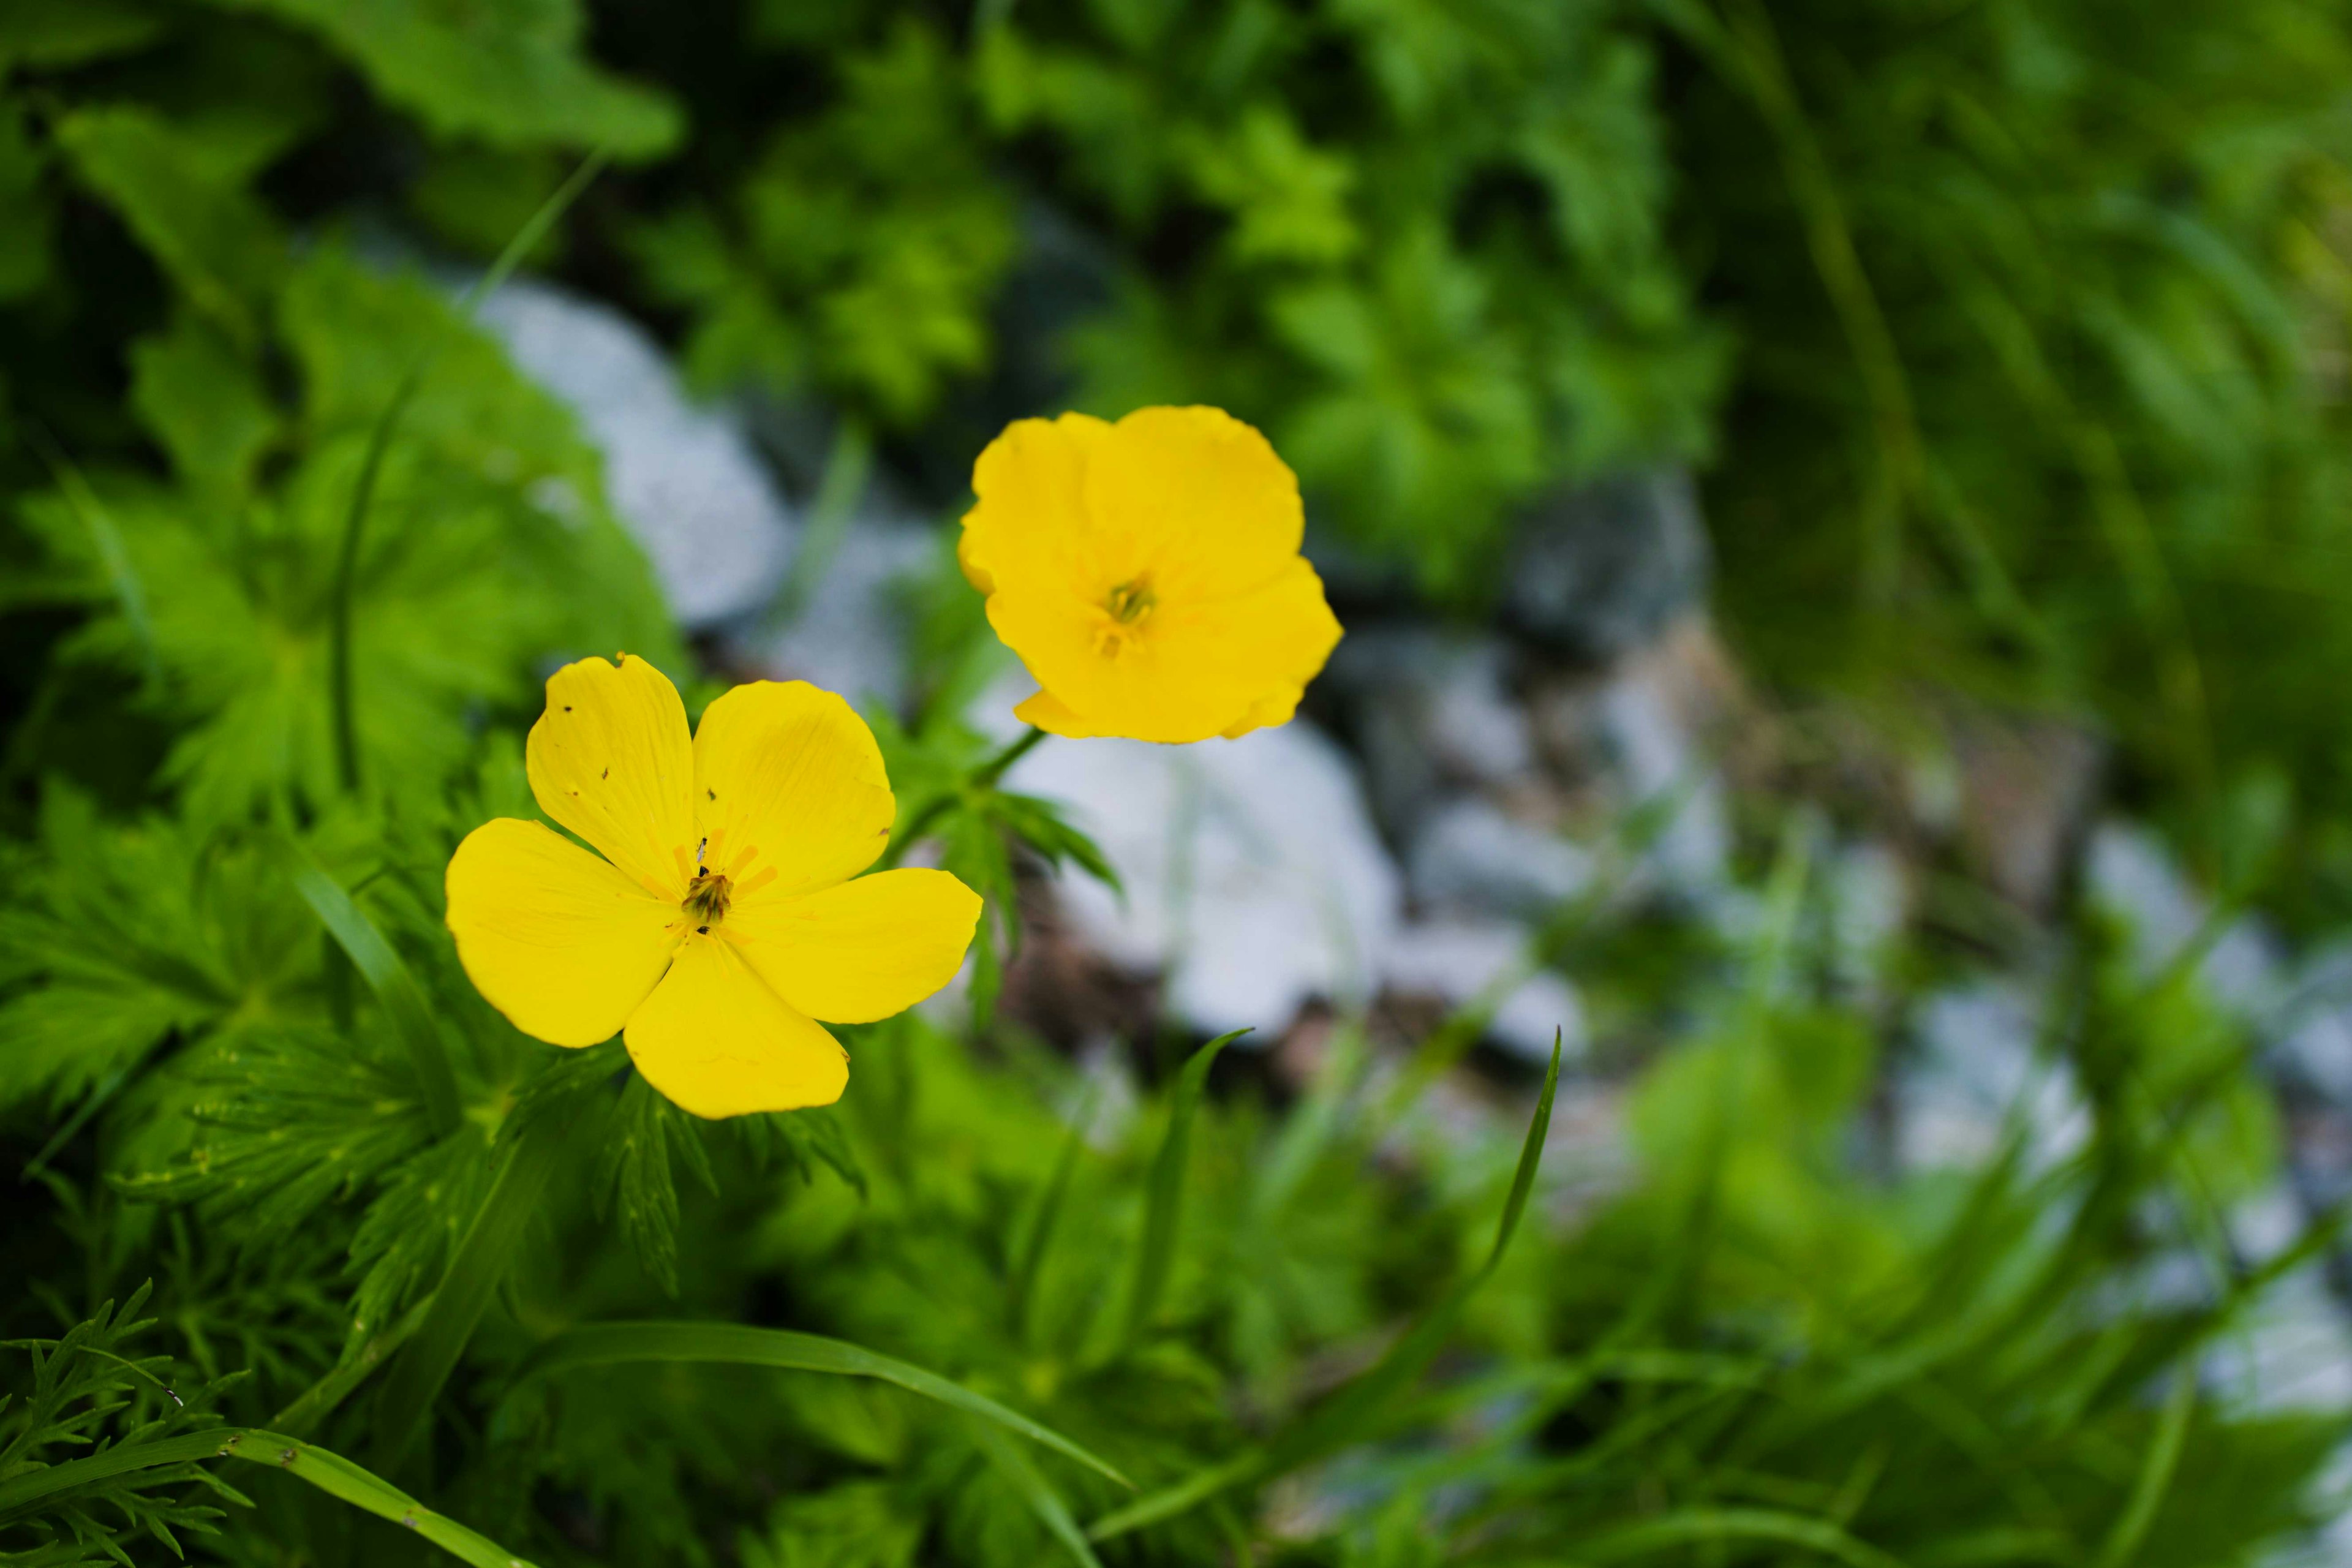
(707, 899)
(1131, 601)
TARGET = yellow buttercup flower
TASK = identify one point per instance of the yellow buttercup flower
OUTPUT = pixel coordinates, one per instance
(722, 924)
(1147, 573)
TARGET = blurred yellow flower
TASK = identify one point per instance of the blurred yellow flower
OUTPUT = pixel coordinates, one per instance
(1147, 573)
(721, 923)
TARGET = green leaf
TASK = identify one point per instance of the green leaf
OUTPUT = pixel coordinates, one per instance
(511, 75)
(219, 242)
(609, 1344)
(390, 979)
(202, 401)
(633, 1175)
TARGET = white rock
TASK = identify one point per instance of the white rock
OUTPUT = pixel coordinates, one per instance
(1974, 1065)
(1255, 881)
(682, 478)
(1460, 962)
(1430, 711)
(1469, 855)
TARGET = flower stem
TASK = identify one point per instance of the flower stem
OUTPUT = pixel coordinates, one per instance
(981, 777)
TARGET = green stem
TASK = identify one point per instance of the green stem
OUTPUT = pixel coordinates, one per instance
(982, 777)
(347, 555)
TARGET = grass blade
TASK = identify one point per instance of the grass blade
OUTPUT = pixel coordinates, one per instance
(740, 1344)
(2131, 1526)
(341, 1480)
(1164, 1201)
(414, 1380)
(1348, 1416)
(392, 983)
(1043, 1501)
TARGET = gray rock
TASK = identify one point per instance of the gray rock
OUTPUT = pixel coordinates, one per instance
(1431, 711)
(1601, 570)
(682, 478)
(1254, 880)
(1469, 855)
(1465, 962)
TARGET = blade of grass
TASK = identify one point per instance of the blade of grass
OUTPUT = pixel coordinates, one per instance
(363, 1488)
(2155, 1472)
(392, 983)
(1164, 1201)
(740, 1344)
(1022, 1298)
(1042, 1499)
(414, 1380)
(347, 555)
(1349, 1416)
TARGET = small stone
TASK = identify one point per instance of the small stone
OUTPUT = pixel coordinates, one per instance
(1599, 572)
(1255, 881)
(1470, 855)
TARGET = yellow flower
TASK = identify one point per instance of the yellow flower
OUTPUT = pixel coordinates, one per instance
(1147, 573)
(721, 923)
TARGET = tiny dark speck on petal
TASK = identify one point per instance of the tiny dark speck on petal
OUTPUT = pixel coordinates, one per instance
(605, 774)
(704, 931)
(711, 793)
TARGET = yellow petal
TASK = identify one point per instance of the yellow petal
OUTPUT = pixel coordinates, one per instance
(1266, 713)
(1030, 522)
(789, 789)
(561, 943)
(1198, 498)
(864, 950)
(717, 1042)
(1055, 717)
(610, 761)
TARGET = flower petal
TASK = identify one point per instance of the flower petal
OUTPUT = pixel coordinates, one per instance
(558, 941)
(864, 950)
(1209, 509)
(717, 1042)
(1030, 522)
(610, 761)
(788, 780)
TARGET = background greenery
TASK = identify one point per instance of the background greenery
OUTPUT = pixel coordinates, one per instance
(2011, 336)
